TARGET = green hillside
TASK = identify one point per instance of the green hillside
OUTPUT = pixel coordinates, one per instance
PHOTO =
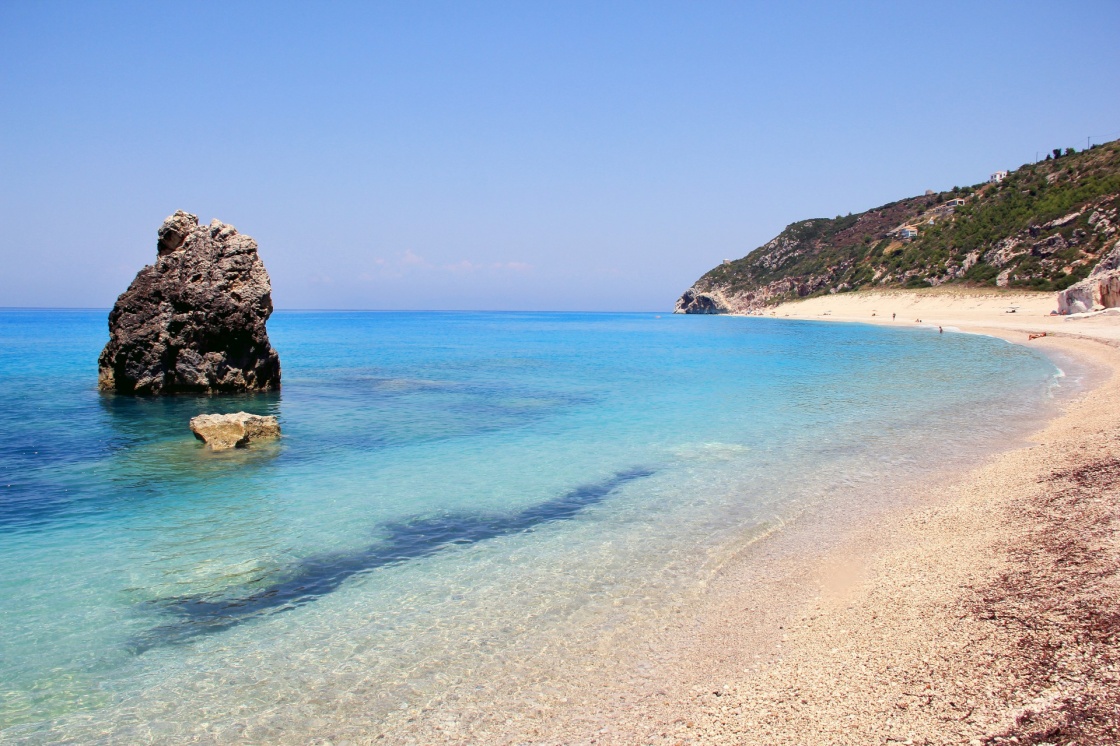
(1042, 228)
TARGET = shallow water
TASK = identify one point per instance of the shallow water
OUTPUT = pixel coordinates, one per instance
(451, 490)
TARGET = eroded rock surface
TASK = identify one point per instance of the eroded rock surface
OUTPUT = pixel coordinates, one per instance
(1101, 289)
(224, 431)
(195, 320)
(696, 301)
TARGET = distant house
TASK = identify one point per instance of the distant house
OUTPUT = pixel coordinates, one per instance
(907, 232)
(957, 201)
(997, 177)
(727, 261)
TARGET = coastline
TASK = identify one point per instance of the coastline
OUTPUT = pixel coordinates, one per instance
(977, 610)
(984, 611)
(803, 629)
(981, 610)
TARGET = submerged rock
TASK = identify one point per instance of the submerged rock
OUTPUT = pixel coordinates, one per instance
(224, 431)
(195, 320)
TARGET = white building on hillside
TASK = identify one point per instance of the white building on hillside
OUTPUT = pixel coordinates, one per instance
(907, 232)
(997, 177)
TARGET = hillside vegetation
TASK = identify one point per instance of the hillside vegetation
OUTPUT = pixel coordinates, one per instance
(1043, 227)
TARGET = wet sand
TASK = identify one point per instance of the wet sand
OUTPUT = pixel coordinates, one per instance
(983, 608)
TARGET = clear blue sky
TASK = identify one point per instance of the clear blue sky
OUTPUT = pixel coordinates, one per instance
(521, 155)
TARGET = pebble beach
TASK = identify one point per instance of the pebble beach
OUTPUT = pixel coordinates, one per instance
(982, 612)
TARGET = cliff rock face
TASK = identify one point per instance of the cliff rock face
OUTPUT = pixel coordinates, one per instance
(695, 301)
(195, 320)
(1101, 289)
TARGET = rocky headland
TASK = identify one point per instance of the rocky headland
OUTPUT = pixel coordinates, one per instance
(195, 320)
(1046, 226)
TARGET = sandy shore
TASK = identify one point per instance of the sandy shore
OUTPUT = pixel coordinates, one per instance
(1003, 313)
(986, 610)
(989, 613)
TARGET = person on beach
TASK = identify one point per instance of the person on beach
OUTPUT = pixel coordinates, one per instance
(940, 330)
(892, 317)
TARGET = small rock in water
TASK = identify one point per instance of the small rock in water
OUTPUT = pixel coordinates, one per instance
(223, 431)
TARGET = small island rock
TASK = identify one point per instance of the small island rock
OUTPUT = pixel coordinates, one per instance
(224, 431)
(195, 320)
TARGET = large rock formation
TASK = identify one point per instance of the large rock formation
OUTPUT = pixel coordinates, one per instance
(225, 431)
(195, 320)
(1101, 289)
(696, 301)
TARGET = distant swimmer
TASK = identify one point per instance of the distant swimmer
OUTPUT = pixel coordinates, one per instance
(940, 330)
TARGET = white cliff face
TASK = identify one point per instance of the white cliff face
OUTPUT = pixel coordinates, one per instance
(696, 301)
(721, 299)
(1101, 289)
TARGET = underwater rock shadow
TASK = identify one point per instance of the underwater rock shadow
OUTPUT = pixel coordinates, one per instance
(319, 575)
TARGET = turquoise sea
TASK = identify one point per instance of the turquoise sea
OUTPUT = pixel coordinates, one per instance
(451, 490)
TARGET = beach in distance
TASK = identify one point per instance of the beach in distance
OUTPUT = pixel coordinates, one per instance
(573, 528)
